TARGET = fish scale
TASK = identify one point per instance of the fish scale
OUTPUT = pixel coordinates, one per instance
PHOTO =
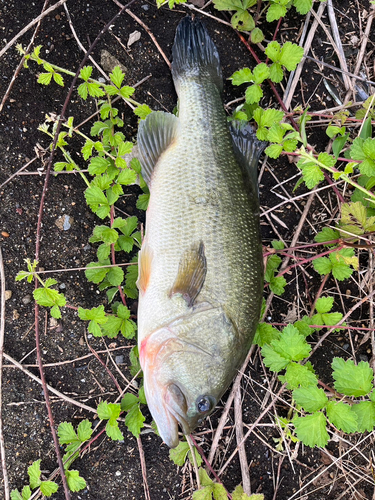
(201, 272)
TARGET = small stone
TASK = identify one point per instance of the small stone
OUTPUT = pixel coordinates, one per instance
(26, 300)
(16, 314)
(119, 360)
(53, 322)
(8, 294)
(62, 286)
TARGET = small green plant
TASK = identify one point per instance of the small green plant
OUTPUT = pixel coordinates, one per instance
(47, 488)
(345, 408)
(212, 490)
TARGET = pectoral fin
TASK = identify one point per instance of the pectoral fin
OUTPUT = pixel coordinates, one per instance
(144, 267)
(155, 134)
(247, 148)
(191, 274)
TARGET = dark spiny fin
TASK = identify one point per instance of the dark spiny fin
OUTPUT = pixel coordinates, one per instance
(191, 274)
(194, 53)
(155, 134)
(247, 148)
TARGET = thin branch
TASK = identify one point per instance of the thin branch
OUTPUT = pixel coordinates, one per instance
(2, 331)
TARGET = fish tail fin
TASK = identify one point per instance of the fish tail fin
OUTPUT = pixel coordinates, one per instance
(194, 53)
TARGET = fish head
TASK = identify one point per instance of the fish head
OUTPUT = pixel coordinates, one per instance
(187, 367)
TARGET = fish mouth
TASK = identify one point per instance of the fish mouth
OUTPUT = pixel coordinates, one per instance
(176, 404)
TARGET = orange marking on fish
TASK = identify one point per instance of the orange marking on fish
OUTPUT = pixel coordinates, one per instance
(145, 260)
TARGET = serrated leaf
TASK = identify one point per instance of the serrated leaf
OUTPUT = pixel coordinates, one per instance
(256, 35)
(117, 76)
(113, 431)
(261, 72)
(264, 334)
(127, 176)
(326, 234)
(66, 433)
(128, 401)
(60, 81)
(244, 75)
(324, 304)
(253, 94)
(302, 6)
(275, 11)
(95, 313)
(311, 429)
(298, 375)
(365, 412)
(45, 78)
(49, 297)
(115, 276)
(74, 480)
(134, 420)
(48, 488)
(274, 361)
(34, 473)
(98, 165)
(310, 398)
(85, 72)
(95, 273)
(322, 265)
(291, 345)
(351, 379)
(277, 285)
(290, 55)
(142, 111)
(94, 195)
(276, 72)
(84, 430)
(341, 416)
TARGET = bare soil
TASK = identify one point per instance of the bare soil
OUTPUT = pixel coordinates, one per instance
(113, 469)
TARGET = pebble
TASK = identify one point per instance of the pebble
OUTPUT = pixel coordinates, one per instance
(119, 360)
(8, 294)
(26, 300)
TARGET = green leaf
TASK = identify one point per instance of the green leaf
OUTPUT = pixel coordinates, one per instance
(273, 50)
(291, 345)
(127, 176)
(34, 473)
(261, 72)
(74, 480)
(253, 94)
(276, 72)
(85, 72)
(327, 234)
(142, 111)
(134, 420)
(45, 78)
(324, 304)
(298, 375)
(244, 75)
(48, 488)
(275, 11)
(277, 285)
(365, 412)
(96, 274)
(310, 398)
(264, 334)
(98, 165)
(84, 430)
(351, 379)
(311, 429)
(66, 433)
(273, 360)
(113, 431)
(117, 76)
(83, 91)
(256, 36)
(302, 6)
(96, 314)
(322, 265)
(290, 55)
(60, 81)
(115, 276)
(274, 150)
(341, 416)
(49, 297)
(128, 401)
(94, 195)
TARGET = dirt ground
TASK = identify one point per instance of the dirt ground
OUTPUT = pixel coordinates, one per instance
(111, 469)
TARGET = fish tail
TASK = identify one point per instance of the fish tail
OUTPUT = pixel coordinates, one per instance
(194, 53)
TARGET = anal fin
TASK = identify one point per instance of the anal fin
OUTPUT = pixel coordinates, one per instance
(191, 274)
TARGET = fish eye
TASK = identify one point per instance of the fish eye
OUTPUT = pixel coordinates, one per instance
(204, 404)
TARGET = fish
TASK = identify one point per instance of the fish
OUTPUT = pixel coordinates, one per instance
(200, 265)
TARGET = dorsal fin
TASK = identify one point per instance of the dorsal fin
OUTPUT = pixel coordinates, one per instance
(155, 134)
(191, 274)
(247, 148)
